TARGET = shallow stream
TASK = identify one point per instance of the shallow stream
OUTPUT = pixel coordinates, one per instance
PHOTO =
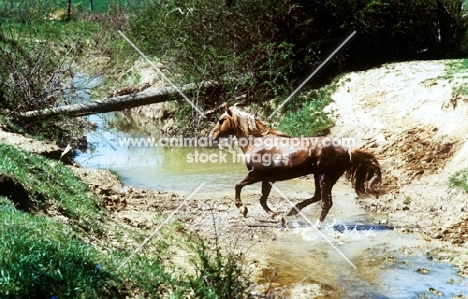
(389, 263)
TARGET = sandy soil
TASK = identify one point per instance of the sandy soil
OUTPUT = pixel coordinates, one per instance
(408, 114)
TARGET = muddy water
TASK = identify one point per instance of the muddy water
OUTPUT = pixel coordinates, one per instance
(389, 263)
(180, 169)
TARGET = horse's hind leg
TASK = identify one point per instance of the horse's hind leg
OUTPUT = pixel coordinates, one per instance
(326, 184)
(298, 207)
(251, 178)
(266, 188)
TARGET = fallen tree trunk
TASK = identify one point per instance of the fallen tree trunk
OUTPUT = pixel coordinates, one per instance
(115, 103)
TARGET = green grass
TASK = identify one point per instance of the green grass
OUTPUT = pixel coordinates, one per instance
(454, 69)
(50, 183)
(457, 67)
(41, 258)
(407, 200)
(304, 116)
(460, 90)
(459, 180)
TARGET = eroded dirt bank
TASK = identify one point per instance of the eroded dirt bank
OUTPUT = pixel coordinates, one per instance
(411, 116)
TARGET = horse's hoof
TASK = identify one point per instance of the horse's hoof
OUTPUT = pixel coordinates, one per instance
(243, 210)
(318, 224)
(280, 220)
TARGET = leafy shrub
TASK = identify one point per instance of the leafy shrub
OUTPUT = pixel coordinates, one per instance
(258, 50)
(238, 47)
(459, 180)
(217, 275)
(304, 115)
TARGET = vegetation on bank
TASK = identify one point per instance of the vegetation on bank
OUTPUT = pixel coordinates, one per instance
(459, 180)
(42, 57)
(257, 51)
(44, 256)
(305, 116)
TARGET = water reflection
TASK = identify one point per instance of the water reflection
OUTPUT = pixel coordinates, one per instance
(152, 166)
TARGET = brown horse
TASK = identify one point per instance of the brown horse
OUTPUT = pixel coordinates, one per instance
(273, 156)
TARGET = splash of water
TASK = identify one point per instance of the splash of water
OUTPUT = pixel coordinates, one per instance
(336, 230)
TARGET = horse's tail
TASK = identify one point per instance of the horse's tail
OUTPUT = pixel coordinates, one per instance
(364, 173)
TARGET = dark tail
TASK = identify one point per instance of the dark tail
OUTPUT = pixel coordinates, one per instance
(364, 173)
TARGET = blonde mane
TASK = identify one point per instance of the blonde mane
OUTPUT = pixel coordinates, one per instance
(249, 125)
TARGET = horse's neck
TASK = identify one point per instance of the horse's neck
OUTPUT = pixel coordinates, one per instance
(266, 130)
(244, 140)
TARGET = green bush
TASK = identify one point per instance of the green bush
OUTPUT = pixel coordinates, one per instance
(459, 180)
(238, 47)
(304, 115)
(217, 275)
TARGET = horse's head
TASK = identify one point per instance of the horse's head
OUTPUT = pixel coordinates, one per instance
(239, 123)
(225, 126)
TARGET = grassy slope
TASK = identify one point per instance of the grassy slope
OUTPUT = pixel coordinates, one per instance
(41, 257)
(46, 257)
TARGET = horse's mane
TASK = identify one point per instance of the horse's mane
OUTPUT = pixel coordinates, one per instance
(249, 125)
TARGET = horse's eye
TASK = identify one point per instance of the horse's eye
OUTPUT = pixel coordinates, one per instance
(221, 121)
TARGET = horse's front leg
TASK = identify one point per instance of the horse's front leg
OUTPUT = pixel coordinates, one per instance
(251, 178)
(266, 188)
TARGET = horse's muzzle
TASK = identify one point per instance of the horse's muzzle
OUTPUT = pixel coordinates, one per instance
(214, 134)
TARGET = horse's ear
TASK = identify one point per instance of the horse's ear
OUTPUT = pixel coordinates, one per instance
(226, 107)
